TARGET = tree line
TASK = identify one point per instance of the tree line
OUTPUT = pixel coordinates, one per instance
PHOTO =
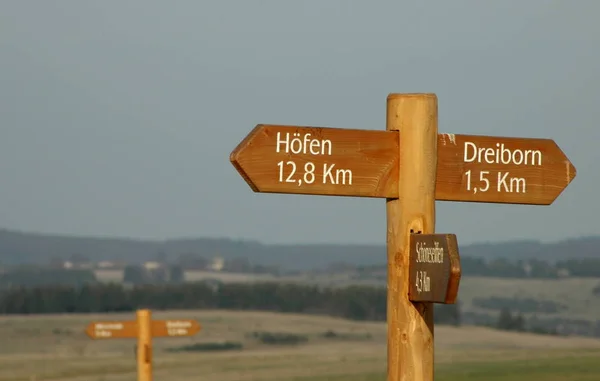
(367, 303)
(353, 302)
(531, 268)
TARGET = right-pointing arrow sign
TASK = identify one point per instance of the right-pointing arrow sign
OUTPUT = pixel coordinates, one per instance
(501, 170)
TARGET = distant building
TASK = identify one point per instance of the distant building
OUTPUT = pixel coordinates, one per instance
(106, 265)
(78, 262)
(152, 265)
(217, 264)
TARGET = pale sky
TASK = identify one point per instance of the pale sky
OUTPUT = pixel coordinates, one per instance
(117, 117)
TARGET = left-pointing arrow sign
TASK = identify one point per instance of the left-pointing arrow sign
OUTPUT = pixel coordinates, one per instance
(318, 161)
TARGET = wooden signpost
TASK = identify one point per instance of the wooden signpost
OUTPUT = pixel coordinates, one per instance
(144, 329)
(411, 165)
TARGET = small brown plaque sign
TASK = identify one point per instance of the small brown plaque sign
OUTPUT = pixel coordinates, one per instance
(434, 271)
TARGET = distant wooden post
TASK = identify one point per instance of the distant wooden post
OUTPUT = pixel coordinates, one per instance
(144, 329)
(144, 346)
(412, 166)
(410, 326)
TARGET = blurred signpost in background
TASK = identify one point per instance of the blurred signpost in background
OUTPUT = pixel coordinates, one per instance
(144, 329)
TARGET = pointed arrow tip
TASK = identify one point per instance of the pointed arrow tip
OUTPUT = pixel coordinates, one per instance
(89, 331)
(571, 171)
(234, 156)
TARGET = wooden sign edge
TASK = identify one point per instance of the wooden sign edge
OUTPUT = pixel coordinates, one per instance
(455, 269)
(233, 156)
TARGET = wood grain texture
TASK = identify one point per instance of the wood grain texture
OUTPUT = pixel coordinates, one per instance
(434, 275)
(410, 326)
(508, 183)
(373, 158)
(455, 271)
(144, 345)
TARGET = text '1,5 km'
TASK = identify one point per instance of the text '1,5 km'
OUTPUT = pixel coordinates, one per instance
(364, 163)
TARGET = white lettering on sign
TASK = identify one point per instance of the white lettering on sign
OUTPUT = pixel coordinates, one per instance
(423, 282)
(481, 181)
(429, 254)
(501, 155)
(177, 331)
(504, 182)
(102, 333)
(297, 143)
(336, 176)
(178, 327)
(109, 326)
(178, 324)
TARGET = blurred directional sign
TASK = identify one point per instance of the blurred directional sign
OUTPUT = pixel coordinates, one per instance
(112, 330)
(172, 328)
(129, 329)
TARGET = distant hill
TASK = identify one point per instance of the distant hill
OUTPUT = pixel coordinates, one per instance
(21, 248)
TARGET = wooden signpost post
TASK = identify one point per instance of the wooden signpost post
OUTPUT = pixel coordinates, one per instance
(144, 329)
(411, 165)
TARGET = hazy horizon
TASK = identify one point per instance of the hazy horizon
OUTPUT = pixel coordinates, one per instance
(175, 238)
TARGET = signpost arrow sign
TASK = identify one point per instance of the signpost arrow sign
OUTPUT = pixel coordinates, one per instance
(364, 163)
(318, 161)
(434, 268)
(501, 170)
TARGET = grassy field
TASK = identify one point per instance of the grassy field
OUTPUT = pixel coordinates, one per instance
(574, 293)
(54, 347)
